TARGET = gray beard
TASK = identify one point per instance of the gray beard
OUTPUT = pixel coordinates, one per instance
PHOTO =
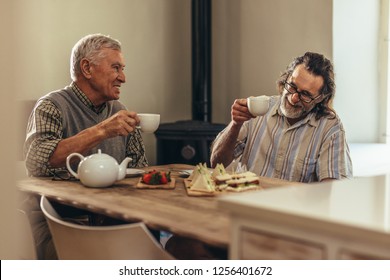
(292, 112)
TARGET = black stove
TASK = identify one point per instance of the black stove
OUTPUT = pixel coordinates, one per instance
(188, 141)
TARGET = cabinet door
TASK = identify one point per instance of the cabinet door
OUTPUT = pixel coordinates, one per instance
(257, 245)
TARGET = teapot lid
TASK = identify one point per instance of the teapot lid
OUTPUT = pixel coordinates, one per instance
(101, 155)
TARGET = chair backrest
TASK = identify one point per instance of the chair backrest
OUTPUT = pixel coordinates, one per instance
(118, 242)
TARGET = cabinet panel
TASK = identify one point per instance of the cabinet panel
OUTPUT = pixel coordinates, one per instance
(257, 245)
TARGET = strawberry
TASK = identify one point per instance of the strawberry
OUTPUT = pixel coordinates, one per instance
(146, 178)
(163, 179)
(156, 178)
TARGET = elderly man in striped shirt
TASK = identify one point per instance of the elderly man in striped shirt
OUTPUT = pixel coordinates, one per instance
(300, 138)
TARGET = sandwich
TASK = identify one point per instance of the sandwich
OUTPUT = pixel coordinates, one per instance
(203, 183)
(237, 181)
(221, 179)
(199, 169)
(218, 170)
(201, 180)
(243, 184)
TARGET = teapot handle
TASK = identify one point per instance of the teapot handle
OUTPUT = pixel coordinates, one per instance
(68, 163)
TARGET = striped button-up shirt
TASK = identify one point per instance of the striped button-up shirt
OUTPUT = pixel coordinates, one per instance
(308, 151)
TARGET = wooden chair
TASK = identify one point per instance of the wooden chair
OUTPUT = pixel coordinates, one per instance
(119, 242)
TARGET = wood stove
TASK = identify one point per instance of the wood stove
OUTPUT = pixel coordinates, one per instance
(188, 141)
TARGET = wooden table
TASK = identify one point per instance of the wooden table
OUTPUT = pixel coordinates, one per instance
(169, 210)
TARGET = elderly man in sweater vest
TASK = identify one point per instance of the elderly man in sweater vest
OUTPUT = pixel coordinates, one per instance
(82, 117)
(86, 115)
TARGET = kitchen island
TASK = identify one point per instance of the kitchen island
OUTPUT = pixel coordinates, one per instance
(346, 219)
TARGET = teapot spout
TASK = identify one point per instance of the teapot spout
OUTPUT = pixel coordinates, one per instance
(123, 167)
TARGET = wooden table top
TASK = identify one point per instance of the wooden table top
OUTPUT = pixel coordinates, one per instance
(168, 210)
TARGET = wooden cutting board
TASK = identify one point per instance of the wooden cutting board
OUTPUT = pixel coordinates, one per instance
(198, 193)
(169, 186)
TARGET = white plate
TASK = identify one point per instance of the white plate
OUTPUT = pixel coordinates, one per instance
(132, 172)
(188, 171)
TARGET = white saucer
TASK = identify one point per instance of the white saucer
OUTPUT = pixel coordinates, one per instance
(185, 173)
(132, 172)
(188, 171)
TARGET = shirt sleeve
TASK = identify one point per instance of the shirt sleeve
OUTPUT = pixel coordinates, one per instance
(44, 132)
(135, 149)
(241, 141)
(335, 160)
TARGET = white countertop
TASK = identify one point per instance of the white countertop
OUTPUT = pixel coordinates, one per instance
(358, 206)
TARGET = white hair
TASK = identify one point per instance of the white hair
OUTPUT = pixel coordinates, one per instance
(90, 47)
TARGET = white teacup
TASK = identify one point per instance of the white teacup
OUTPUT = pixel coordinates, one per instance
(149, 122)
(258, 105)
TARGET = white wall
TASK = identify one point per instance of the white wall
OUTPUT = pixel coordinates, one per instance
(8, 243)
(356, 46)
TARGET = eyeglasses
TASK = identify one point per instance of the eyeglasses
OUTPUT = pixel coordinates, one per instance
(62, 175)
(303, 96)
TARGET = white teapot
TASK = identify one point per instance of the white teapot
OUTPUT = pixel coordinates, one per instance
(98, 170)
